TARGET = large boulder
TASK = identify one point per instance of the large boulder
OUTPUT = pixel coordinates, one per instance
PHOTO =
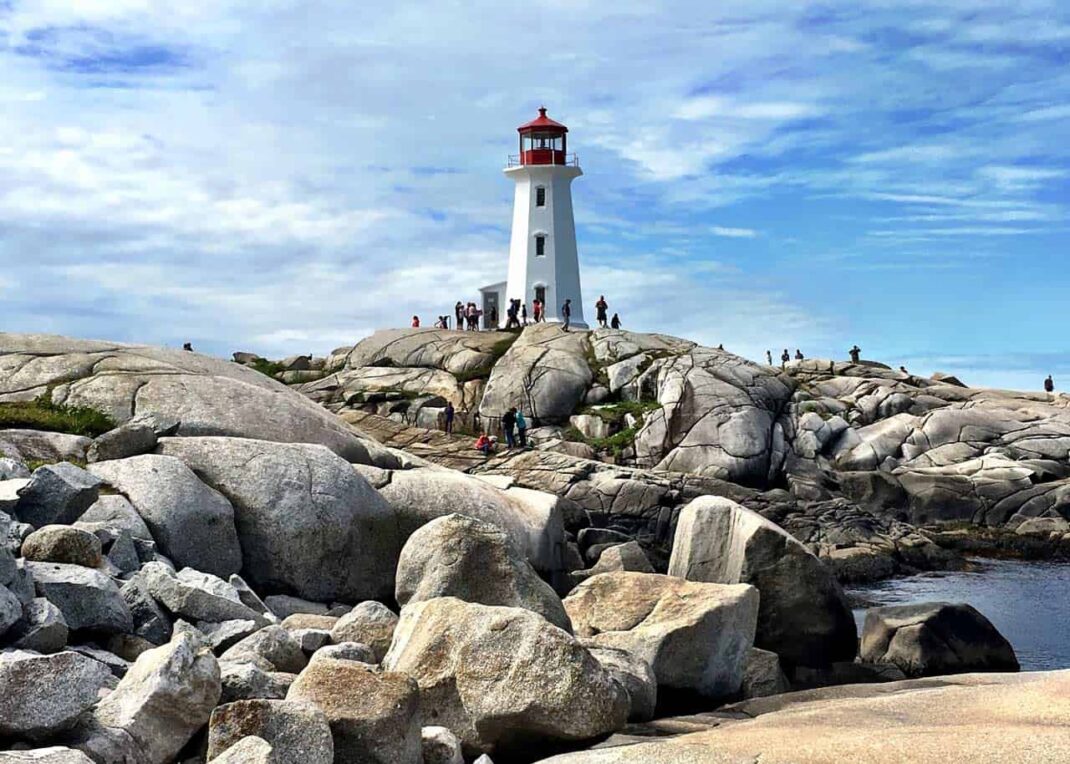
(194, 595)
(297, 732)
(62, 543)
(138, 436)
(87, 598)
(272, 649)
(191, 523)
(208, 396)
(500, 677)
(804, 616)
(374, 716)
(694, 635)
(165, 697)
(719, 417)
(419, 496)
(634, 674)
(56, 494)
(308, 523)
(369, 623)
(935, 638)
(545, 373)
(475, 561)
(41, 628)
(41, 695)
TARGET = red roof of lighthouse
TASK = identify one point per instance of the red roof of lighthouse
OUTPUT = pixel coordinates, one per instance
(542, 122)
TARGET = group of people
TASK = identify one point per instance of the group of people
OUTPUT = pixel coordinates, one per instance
(466, 316)
(514, 428)
(784, 357)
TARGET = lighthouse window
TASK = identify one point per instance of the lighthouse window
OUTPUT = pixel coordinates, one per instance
(540, 197)
(540, 245)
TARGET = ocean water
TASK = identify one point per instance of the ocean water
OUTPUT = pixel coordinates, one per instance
(1029, 602)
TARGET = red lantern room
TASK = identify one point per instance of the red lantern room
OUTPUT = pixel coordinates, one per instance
(543, 141)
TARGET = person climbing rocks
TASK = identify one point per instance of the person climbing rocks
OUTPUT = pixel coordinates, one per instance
(768, 358)
(508, 425)
(566, 314)
(615, 323)
(521, 429)
(856, 354)
(1049, 385)
(415, 322)
(450, 413)
(601, 309)
(798, 354)
(784, 358)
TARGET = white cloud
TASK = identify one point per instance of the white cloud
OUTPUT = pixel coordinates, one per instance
(733, 233)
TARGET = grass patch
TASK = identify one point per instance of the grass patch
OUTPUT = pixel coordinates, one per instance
(42, 414)
(266, 367)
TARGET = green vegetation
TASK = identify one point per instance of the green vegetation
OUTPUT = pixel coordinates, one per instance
(42, 414)
(266, 367)
(614, 414)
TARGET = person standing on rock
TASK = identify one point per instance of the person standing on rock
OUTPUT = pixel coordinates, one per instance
(521, 428)
(415, 322)
(784, 358)
(856, 354)
(798, 354)
(458, 313)
(615, 323)
(769, 358)
(523, 314)
(566, 314)
(508, 423)
(536, 309)
(450, 413)
(493, 317)
(601, 309)
(1049, 385)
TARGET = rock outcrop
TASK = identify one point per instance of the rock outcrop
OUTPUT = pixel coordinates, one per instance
(500, 678)
(935, 638)
(695, 636)
(803, 616)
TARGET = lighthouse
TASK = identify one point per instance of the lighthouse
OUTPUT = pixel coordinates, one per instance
(544, 264)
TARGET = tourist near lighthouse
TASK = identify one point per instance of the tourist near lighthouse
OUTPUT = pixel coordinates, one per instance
(544, 262)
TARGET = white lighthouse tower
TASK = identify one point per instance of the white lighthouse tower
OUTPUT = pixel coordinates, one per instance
(543, 261)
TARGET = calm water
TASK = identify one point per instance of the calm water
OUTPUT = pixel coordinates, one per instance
(1029, 602)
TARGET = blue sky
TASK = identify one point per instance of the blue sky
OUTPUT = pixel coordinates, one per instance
(288, 176)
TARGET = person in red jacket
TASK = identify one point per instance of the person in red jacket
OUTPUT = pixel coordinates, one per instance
(415, 322)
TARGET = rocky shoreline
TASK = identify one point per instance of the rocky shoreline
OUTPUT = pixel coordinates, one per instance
(201, 563)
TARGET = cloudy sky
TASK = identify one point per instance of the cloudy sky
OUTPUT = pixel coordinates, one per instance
(286, 176)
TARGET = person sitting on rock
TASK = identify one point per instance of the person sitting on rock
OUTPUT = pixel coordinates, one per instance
(601, 309)
(615, 323)
(856, 354)
(415, 322)
(798, 354)
(903, 370)
(1049, 385)
(485, 443)
(187, 346)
